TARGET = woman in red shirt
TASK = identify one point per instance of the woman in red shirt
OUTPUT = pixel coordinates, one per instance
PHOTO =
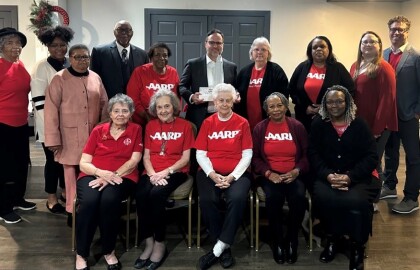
(167, 143)
(224, 152)
(108, 174)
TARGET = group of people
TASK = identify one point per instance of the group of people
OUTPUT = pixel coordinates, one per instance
(96, 124)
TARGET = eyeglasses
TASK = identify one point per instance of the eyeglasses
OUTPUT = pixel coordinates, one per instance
(400, 30)
(123, 111)
(337, 102)
(212, 43)
(263, 50)
(124, 31)
(370, 42)
(158, 55)
(81, 57)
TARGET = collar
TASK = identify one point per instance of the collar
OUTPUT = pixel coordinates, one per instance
(77, 74)
(56, 64)
(400, 49)
(218, 60)
(120, 48)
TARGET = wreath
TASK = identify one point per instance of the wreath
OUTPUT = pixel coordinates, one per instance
(41, 15)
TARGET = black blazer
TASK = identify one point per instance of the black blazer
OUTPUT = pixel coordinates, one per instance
(193, 77)
(106, 61)
(335, 74)
(275, 80)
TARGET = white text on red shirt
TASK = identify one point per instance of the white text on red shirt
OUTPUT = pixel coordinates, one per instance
(316, 76)
(166, 136)
(224, 134)
(160, 86)
(279, 137)
(255, 81)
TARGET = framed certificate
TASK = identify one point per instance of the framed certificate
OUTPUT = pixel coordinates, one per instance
(205, 93)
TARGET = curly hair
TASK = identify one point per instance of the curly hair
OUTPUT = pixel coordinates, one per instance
(350, 112)
(400, 19)
(47, 35)
(159, 45)
(164, 93)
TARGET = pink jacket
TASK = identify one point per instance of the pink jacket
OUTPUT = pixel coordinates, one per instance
(73, 106)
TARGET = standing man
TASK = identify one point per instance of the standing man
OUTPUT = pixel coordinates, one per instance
(114, 62)
(406, 62)
(205, 71)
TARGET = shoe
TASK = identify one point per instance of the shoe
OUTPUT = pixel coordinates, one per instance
(291, 253)
(387, 193)
(25, 205)
(86, 268)
(115, 266)
(357, 254)
(62, 198)
(139, 264)
(279, 254)
(151, 265)
(406, 206)
(226, 260)
(11, 218)
(207, 260)
(56, 209)
(328, 254)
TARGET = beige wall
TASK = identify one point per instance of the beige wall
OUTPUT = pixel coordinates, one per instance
(293, 23)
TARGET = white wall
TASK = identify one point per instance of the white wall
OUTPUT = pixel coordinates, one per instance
(293, 23)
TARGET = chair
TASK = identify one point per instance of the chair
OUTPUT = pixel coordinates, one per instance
(127, 223)
(182, 197)
(251, 220)
(260, 202)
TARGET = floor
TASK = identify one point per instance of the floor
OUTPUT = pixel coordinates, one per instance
(43, 241)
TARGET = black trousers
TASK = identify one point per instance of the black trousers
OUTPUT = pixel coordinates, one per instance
(223, 228)
(99, 208)
(53, 172)
(276, 194)
(151, 201)
(14, 161)
(347, 212)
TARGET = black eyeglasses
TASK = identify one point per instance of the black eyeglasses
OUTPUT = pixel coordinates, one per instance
(158, 55)
(400, 30)
(337, 102)
(124, 31)
(81, 57)
(212, 43)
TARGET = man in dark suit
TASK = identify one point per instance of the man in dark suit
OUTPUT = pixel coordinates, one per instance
(205, 71)
(114, 62)
(406, 62)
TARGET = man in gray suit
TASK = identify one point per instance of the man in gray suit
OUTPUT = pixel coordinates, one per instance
(114, 62)
(406, 62)
(205, 71)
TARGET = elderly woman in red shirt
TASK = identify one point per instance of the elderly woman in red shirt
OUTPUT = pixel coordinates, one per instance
(224, 152)
(280, 145)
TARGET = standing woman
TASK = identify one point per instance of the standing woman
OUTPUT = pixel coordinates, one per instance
(312, 77)
(147, 79)
(14, 139)
(257, 81)
(56, 39)
(375, 95)
(75, 101)
(280, 161)
(342, 152)
(167, 143)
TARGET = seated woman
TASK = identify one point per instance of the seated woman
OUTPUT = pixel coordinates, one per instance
(108, 174)
(167, 143)
(280, 145)
(342, 151)
(224, 152)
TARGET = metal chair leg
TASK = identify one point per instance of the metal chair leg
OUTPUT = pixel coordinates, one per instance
(198, 223)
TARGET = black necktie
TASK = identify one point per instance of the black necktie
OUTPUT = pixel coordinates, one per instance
(124, 56)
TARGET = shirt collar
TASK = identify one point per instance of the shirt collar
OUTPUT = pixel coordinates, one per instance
(120, 48)
(400, 49)
(218, 60)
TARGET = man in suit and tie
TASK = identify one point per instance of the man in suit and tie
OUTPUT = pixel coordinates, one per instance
(114, 62)
(406, 62)
(205, 71)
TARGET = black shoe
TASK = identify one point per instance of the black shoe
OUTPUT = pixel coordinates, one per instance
(207, 260)
(291, 253)
(279, 254)
(56, 209)
(357, 254)
(25, 205)
(115, 266)
(328, 254)
(139, 264)
(226, 260)
(11, 218)
(151, 265)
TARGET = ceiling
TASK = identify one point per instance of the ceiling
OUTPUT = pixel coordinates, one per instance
(367, 0)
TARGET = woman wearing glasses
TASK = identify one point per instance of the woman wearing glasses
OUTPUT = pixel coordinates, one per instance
(75, 101)
(375, 84)
(342, 152)
(257, 81)
(149, 78)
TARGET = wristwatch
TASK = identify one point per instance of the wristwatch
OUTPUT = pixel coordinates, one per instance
(171, 171)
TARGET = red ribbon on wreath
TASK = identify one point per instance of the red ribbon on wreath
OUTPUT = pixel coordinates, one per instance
(63, 13)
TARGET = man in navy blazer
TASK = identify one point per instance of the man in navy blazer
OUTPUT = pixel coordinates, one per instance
(107, 60)
(406, 62)
(195, 75)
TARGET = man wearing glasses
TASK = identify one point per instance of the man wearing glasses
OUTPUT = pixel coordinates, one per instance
(406, 62)
(205, 72)
(114, 62)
